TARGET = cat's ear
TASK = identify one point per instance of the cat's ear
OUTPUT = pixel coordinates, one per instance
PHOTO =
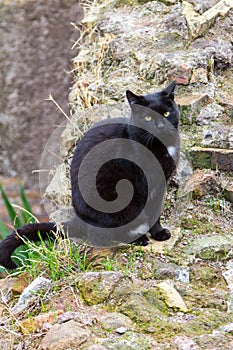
(134, 99)
(169, 91)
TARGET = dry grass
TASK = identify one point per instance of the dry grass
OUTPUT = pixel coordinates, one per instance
(89, 65)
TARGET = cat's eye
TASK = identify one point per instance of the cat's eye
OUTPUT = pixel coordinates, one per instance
(148, 118)
(166, 114)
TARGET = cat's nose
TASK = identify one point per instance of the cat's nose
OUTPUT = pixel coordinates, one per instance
(160, 124)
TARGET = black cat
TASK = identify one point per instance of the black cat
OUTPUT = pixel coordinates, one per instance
(153, 125)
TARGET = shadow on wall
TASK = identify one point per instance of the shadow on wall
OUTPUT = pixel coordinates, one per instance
(35, 54)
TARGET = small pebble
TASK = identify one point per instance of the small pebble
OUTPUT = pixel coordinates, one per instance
(121, 330)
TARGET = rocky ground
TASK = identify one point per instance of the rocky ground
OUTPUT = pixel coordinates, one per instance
(172, 295)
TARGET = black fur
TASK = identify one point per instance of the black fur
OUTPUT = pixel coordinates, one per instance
(109, 175)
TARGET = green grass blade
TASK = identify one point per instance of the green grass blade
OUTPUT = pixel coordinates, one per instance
(3, 230)
(27, 217)
(12, 214)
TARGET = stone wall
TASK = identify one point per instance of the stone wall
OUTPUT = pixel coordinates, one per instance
(143, 48)
(35, 54)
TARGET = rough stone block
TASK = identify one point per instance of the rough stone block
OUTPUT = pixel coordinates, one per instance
(191, 105)
(202, 182)
(211, 158)
(229, 193)
(199, 24)
(199, 75)
(182, 74)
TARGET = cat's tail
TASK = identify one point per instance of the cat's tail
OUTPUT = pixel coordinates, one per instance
(17, 237)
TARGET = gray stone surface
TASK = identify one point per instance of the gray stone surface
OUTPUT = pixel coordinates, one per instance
(98, 286)
(65, 336)
(30, 293)
(217, 247)
(199, 24)
(132, 341)
(35, 54)
(115, 321)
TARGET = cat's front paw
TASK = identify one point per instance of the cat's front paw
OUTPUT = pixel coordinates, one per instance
(143, 240)
(162, 235)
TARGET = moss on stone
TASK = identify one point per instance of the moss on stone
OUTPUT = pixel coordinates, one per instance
(192, 325)
(130, 2)
(185, 115)
(29, 326)
(199, 226)
(215, 247)
(153, 297)
(140, 311)
(201, 160)
(96, 287)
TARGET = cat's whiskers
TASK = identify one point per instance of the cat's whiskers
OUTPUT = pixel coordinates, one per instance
(147, 139)
(150, 140)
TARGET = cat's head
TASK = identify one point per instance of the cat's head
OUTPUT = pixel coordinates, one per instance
(161, 102)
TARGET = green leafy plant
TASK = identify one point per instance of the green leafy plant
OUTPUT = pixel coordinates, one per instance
(19, 214)
(56, 258)
(22, 216)
(110, 264)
